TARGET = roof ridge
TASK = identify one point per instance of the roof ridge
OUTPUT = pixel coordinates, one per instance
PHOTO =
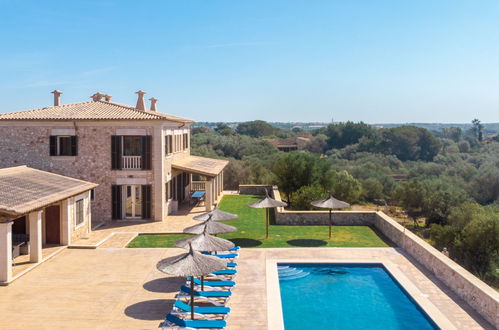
(38, 109)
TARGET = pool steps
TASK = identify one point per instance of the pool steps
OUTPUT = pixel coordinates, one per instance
(290, 273)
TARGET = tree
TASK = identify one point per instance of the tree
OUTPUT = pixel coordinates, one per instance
(472, 237)
(344, 134)
(372, 189)
(409, 143)
(302, 198)
(343, 186)
(224, 129)
(257, 128)
(294, 170)
(485, 185)
(477, 129)
(200, 129)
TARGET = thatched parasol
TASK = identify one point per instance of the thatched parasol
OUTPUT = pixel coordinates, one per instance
(216, 215)
(267, 203)
(191, 263)
(330, 203)
(205, 242)
(211, 227)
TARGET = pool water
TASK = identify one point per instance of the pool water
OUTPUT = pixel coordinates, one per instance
(339, 296)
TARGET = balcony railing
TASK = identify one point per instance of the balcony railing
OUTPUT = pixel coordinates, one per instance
(198, 185)
(132, 162)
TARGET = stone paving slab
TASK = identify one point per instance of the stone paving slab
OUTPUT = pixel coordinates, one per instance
(110, 288)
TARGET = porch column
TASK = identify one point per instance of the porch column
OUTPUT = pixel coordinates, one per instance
(6, 251)
(65, 223)
(35, 236)
(209, 195)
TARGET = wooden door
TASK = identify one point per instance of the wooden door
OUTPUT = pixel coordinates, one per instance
(52, 225)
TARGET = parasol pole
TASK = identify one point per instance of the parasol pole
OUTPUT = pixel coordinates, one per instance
(192, 298)
(330, 223)
(266, 223)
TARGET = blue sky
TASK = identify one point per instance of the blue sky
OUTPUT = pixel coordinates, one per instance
(214, 60)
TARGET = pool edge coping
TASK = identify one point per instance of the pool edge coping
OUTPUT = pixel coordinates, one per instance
(275, 319)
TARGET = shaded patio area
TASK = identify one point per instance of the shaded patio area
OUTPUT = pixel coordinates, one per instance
(174, 224)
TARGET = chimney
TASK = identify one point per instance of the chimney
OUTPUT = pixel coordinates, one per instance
(97, 97)
(57, 97)
(107, 97)
(153, 103)
(141, 105)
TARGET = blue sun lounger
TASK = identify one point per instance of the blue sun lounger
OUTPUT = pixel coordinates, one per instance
(232, 264)
(226, 255)
(208, 294)
(180, 306)
(225, 272)
(235, 248)
(173, 321)
(197, 281)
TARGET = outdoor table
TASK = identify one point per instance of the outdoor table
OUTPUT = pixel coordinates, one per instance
(198, 195)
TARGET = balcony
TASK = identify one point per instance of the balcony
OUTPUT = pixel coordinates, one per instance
(131, 162)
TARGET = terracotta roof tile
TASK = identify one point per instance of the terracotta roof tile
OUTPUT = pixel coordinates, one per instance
(92, 110)
(24, 189)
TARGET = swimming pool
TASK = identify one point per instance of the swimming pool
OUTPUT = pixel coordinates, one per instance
(346, 296)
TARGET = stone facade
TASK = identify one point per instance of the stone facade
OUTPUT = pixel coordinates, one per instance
(27, 143)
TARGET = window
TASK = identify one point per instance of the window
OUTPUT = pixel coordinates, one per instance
(62, 145)
(131, 152)
(79, 214)
(92, 195)
(168, 144)
(132, 146)
(186, 141)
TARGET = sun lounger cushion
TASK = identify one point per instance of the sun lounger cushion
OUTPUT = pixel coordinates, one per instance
(209, 294)
(197, 324)
(201, 309)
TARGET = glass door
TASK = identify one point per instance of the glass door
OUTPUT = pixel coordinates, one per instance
(133, 201)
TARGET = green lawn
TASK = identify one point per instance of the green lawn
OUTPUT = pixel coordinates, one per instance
(251, 231)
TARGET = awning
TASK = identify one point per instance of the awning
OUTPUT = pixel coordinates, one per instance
(200, 165)
(24, 189)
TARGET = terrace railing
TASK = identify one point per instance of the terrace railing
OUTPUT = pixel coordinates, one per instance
(132, 162)
(198, 185)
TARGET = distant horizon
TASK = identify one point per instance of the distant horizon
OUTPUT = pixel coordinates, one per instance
(383, 61)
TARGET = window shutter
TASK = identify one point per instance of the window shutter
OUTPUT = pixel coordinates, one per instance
(116, 152)
(116, 201)
(146, 201)
(146, 152)
(53, 145)
(186, 141)
(74, 145)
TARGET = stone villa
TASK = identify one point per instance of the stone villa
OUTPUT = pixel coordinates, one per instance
(139, 157)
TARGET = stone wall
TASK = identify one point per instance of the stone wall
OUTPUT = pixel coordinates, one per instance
(342, 218)
(476, 293)
(254, 189)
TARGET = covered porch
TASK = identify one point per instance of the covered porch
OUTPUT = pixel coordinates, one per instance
(203, 179)
(40, 212)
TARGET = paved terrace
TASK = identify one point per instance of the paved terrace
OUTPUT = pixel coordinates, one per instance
(116, 288)
(119, 233)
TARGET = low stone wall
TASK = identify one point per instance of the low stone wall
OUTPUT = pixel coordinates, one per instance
(342, 218)
(254, 189)
(476, 293)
